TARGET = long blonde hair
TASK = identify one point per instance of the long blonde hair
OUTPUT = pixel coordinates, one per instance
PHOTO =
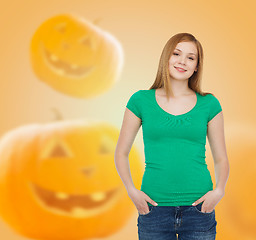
(163, 77)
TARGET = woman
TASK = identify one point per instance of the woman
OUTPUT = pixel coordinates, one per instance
(176, 199)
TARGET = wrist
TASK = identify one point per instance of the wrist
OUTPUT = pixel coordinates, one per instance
(220, 190)
(130, 188)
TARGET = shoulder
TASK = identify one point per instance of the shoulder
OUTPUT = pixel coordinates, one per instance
(213, 105)
(135, 98)
(136, 101)
(210, 98)
(140, 94)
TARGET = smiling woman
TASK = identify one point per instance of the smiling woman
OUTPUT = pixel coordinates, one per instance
(176, 194)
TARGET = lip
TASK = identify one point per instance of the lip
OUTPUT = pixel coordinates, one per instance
(180, 69)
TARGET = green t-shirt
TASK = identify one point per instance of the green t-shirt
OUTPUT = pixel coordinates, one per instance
(176, 173)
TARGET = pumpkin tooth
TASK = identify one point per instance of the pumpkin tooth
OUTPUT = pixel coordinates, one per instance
(61, 195)
(99, 196)
(54, 57)
(77, 211)
(60, 71)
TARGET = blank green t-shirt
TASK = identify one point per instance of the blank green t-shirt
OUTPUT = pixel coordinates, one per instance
(176, 172)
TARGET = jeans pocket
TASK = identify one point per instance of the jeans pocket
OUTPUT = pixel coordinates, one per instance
(150, 211)
(198, 208)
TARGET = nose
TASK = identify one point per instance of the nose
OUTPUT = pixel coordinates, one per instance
(182, 60)
(88, 171)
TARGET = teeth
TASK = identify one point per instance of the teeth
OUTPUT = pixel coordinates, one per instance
(54, 58)
(60, 71)
(98, 196)
(61, 195)
(77, 211)
(95, 196)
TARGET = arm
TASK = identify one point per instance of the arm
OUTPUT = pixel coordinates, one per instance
(215, 134)
(128, 132)
(216, 138)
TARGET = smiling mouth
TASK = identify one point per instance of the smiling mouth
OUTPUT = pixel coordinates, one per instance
(180, 69)
(63, 68)
(76, 205)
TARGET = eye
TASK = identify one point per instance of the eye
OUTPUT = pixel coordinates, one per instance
(178, 54)
(61, 27)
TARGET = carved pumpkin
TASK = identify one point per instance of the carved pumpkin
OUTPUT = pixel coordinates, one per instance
(59, 181)
(75, 57)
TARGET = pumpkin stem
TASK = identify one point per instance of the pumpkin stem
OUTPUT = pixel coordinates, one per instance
(57, 114)
(96, 21)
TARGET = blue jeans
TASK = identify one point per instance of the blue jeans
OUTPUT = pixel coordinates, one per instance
(164, 222)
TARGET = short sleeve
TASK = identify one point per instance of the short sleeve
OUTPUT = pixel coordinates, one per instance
(134, 104)
(214, 107)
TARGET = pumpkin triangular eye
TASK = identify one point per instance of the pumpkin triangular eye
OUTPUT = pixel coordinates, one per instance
(86, 40)
(56, 149)
(107, 145)
(61, 27)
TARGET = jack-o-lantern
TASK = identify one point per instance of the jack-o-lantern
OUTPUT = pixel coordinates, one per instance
(75, 56)
(59, 181)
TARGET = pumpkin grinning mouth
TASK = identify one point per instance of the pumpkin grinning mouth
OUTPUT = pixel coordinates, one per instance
(75, 203)
(64, 68)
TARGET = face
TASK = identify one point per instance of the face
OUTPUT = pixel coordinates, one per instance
(72, 56)
(66, 177)
(183, 61)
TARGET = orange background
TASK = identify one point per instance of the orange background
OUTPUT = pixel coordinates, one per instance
(226, 30)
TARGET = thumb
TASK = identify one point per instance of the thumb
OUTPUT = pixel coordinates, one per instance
(151, 201)
(198, 201)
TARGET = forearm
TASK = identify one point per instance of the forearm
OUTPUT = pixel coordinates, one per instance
(123, 169)
(221, 174)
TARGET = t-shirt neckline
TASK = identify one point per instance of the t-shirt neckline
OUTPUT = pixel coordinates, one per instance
(169, 114)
